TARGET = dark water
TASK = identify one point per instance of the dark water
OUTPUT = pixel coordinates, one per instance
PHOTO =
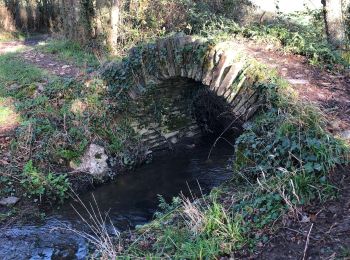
(131, 200)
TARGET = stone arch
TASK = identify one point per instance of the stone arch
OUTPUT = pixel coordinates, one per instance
(218, 66)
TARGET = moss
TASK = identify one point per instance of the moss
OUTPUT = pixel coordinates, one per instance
(176, 123)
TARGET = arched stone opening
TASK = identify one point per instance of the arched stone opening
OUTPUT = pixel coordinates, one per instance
(180, 109)
(224, 92)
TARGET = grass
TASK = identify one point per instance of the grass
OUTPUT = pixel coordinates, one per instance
(8, 117)
(11, 36)
(71, 51)
(282, 162)
(59, 118)
(13, 70)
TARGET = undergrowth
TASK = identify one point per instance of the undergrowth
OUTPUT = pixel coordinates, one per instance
(283, 162)
(57, 119)
(11, 36)
(299, 33)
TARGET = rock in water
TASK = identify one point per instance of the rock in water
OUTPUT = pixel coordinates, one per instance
(93, 162)
(9, 201)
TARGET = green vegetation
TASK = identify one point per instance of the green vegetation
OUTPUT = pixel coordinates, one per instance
(282, 163)
(11, 36)
(14, 71)
(300, 33)
(72, 51)
(59, 119)
(38, 184)
(5, 114)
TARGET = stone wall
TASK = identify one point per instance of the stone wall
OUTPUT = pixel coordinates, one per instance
(165, 114)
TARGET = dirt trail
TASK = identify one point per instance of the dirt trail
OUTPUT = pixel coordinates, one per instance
(41, 60)
(330, 233)
(329, 91)
(26, 50)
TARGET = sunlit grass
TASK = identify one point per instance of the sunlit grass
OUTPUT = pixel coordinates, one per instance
(11, 36)
(8, 116)
(14, 70)
(68, 50)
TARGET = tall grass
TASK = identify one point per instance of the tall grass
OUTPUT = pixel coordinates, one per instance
(98, 235)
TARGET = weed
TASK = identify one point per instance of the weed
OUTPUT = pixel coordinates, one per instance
(98, 223)
(11, 36)
(38, 185)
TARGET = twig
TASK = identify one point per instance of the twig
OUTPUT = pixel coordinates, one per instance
(307, 241)
(220, 136)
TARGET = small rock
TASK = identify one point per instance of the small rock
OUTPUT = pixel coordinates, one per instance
(65, 66)
(9, 201)
(14, 86)
(40, 87)
(93, 162)
(305, 219)
(174, 140)
(335, 124)
(298, 81)
(190, 146)
(345, 135)
(320, 95)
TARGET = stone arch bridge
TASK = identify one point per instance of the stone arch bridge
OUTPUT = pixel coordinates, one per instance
(159, 72)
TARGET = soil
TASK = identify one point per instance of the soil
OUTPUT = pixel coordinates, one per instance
(46, 61)
(50, 63)
(329, 91)
(327, 225)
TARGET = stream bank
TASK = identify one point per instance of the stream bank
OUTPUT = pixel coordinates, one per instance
(130, 200)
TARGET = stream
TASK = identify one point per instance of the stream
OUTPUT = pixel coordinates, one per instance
(130, 200)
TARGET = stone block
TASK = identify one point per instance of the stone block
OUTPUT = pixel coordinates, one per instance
(226, 60)
(208, 66)
(169, 43)
(94, 161)
(161, 55)
(230, 78)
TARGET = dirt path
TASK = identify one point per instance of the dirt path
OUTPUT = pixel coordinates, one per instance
(48, 62)
(328, 228)
(329, 91)
(41, 60)
(330, 233)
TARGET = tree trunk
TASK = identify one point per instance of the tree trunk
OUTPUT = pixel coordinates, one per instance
(333, 16)
(115, 20)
